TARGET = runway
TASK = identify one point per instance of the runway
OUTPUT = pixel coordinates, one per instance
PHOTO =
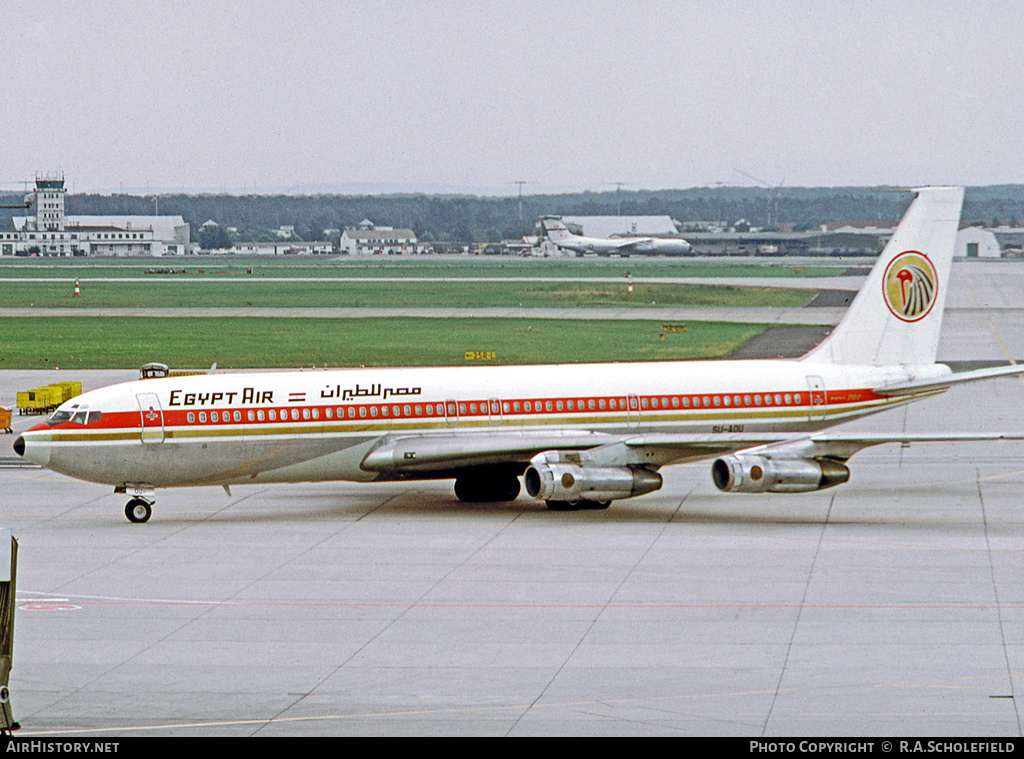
(890, 606)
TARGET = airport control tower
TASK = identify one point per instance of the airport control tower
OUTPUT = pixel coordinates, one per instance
(48, 200)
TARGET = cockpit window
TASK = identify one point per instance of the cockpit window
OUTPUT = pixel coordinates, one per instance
(74, 414)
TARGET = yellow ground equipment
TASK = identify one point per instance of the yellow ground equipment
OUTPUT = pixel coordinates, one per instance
(42, 400)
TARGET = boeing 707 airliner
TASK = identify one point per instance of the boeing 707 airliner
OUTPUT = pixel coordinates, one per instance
(578, 436)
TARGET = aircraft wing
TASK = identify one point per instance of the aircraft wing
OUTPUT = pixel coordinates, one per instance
(412, 454)
(630, 242)
(830, 444)
(421, 454)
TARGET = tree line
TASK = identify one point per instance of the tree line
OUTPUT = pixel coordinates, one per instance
(481, 219)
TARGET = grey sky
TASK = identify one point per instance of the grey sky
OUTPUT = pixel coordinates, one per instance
(473, 96)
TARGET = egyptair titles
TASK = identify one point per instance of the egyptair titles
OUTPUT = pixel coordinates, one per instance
(250, 396)
(247, 396)
(373, 391)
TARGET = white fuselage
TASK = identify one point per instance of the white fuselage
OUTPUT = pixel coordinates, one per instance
(321, 425)
(623, 246)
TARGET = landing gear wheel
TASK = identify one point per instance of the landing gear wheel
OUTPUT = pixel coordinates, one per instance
(560, 506)
(581, 505)
(487, 487)
(138, 510)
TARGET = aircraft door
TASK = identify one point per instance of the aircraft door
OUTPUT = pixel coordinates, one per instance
(494, 411)
(152, 416)
(819, 403)
(633, 411)
(451, 412)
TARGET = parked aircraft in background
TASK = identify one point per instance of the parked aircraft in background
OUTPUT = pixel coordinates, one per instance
(580, 436)
(556, 231)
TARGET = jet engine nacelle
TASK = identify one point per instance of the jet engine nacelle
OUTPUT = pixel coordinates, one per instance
(760, 474)
(551, 481)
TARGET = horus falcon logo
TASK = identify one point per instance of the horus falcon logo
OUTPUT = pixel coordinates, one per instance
(910, 286)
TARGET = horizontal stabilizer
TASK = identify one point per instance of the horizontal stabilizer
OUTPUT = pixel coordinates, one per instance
(912, 388)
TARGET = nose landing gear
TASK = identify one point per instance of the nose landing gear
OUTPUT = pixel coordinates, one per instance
(140, 507)
(138, 510)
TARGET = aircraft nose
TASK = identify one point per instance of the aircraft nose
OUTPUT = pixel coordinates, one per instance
(35, 448)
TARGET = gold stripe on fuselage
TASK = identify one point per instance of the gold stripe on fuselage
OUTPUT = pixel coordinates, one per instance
(633, 420)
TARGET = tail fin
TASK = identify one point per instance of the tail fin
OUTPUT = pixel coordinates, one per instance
(555, 229)
(896, 316)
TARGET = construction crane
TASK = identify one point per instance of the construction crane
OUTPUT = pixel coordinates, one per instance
(27, 203)
(772, 206)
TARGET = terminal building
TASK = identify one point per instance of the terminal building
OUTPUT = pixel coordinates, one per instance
(51, 232)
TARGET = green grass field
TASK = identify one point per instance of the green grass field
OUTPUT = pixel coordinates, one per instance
(90, 341)
(235, 342)
(454, 267)
(414, 294)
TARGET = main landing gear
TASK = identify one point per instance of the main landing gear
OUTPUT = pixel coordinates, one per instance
(499, 484)
(479, 486)
(580, 505)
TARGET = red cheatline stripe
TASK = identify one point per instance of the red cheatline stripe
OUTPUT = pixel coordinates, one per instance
(488, 408)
